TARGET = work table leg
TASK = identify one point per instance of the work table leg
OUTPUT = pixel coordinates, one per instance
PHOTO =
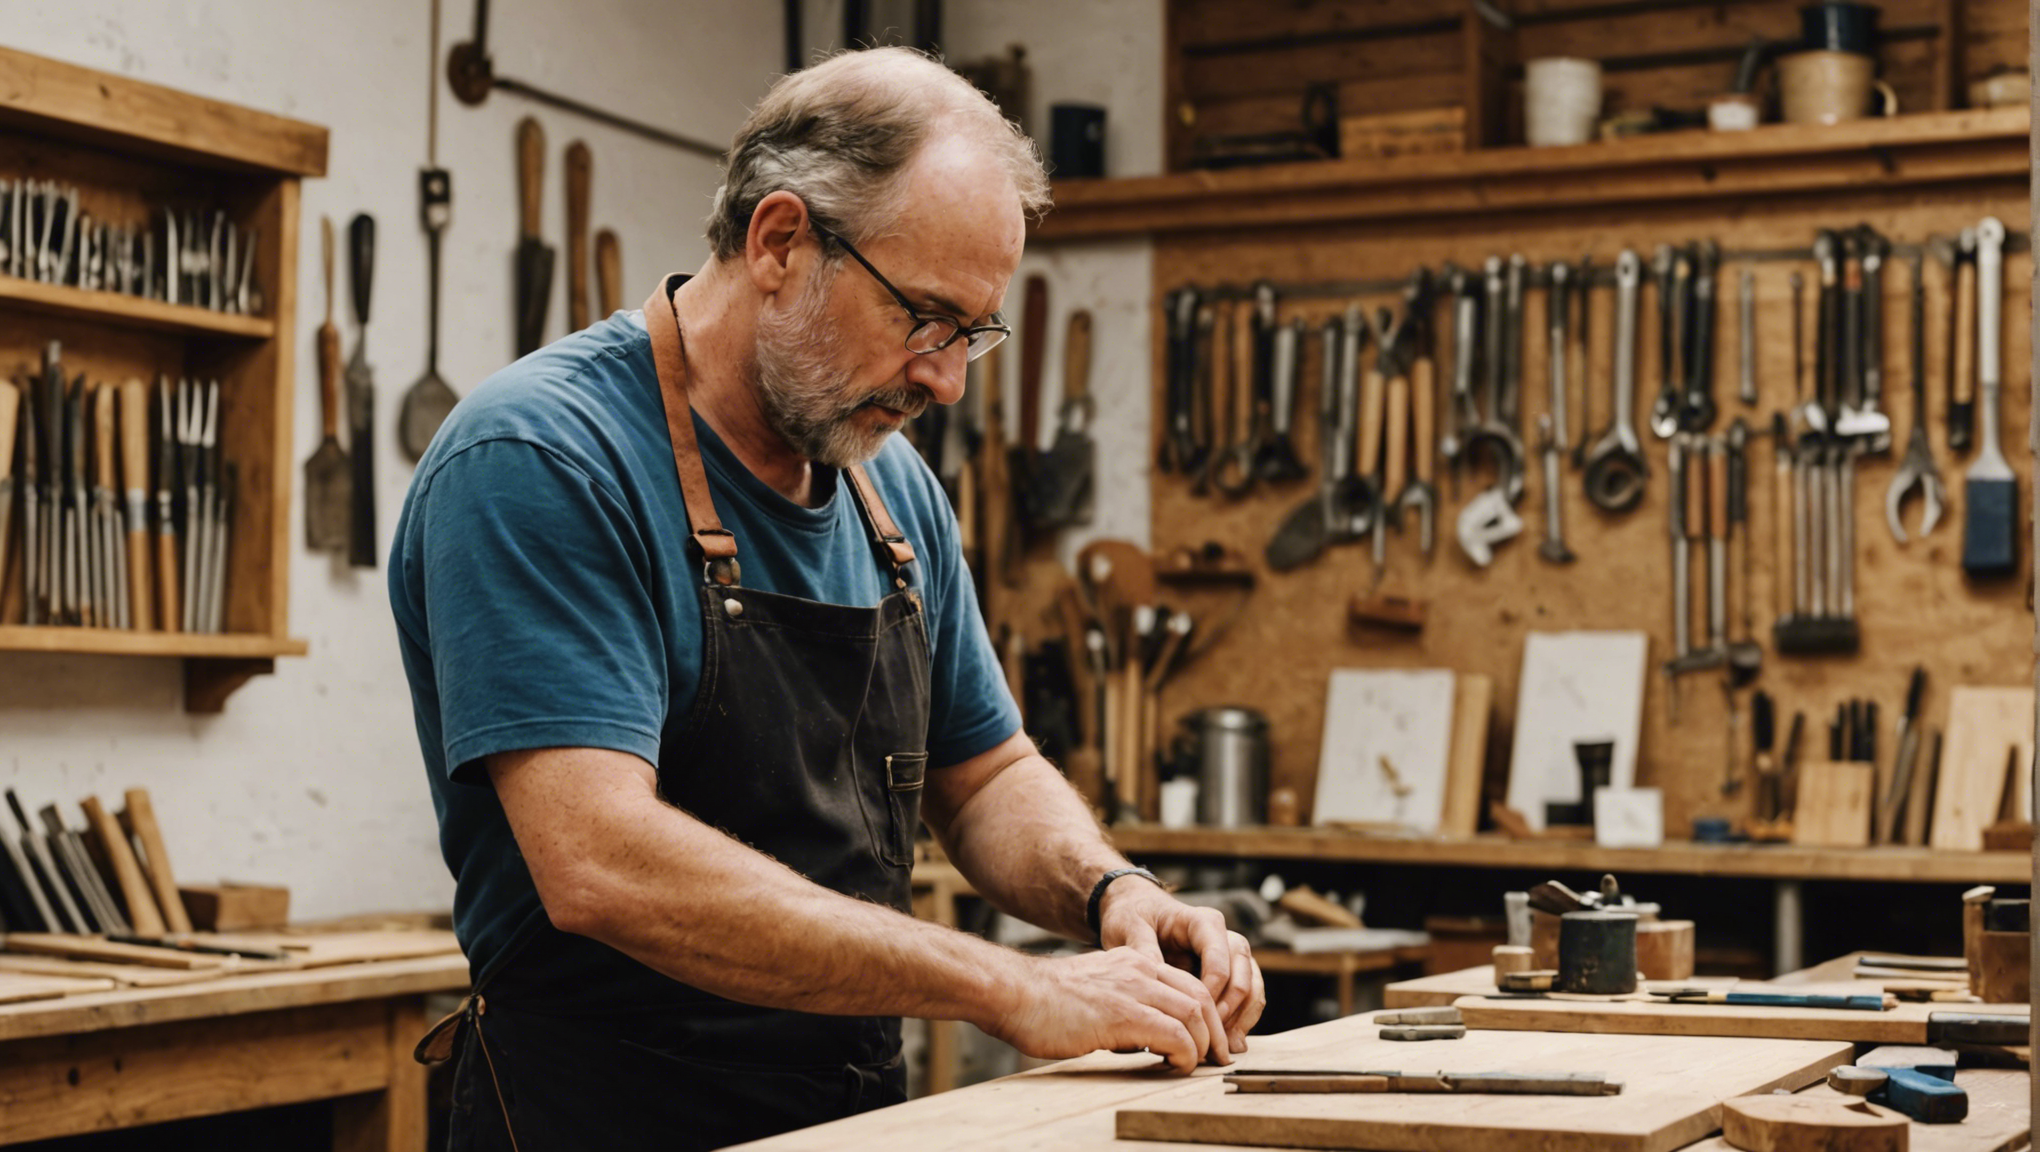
(1788, 946)
(392, 1120)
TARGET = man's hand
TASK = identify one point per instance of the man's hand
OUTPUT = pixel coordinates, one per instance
(1122, 999)
(1138, 915)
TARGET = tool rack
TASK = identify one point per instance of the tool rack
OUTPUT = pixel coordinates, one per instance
(131, 148)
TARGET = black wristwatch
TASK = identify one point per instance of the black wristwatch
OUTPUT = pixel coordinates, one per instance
(1098, 896)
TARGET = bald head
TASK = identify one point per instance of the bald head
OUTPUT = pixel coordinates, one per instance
(841, 134)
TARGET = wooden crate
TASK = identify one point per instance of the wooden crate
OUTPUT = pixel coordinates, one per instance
(131, 147)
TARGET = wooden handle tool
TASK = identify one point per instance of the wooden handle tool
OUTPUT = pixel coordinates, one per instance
(1395, 470)
(530, 174)
(580, 175)
(608, 272)
(127, 872)
(140, 816)
(1424, 420)
(1373, 398)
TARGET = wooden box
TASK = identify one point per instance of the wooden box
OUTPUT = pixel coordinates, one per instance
(229, 907)
(1391, 134)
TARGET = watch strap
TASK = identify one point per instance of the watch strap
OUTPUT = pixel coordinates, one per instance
(1091, 908)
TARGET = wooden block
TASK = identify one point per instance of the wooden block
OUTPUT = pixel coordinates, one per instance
(1974, 902)
(1834, 805)
(228, 907)
(1513, 958)
(2009, 836)
(1985, 726)
(2004, 968)
(1811, 1124)
(1473, 699)
(1543, 939)
(1664, 949)
(1305, 904)
(1425, 131)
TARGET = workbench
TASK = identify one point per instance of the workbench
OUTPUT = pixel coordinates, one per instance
(1075, 1105)
(132, 1056)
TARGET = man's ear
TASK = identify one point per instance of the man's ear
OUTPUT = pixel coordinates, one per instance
(777, 227)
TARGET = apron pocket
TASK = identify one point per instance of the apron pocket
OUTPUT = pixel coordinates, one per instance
(905, 774)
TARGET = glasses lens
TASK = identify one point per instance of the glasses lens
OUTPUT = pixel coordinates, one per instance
(931, 336)
(984, 341)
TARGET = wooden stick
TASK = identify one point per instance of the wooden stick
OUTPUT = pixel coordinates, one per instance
(141, 817)
(134, 890)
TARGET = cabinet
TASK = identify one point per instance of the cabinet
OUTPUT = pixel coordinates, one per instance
(131, 149)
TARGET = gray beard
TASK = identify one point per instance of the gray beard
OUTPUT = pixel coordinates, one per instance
(807, 392)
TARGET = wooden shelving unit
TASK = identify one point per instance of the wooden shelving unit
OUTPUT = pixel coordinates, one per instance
(132, 148)
(1674, 858)
(1777, 159)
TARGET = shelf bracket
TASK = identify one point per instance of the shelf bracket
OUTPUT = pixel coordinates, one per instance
(208, 681)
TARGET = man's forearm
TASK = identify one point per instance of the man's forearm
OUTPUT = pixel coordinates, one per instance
(1029, 845)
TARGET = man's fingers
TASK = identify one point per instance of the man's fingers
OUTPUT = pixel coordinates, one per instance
(1206, 1026)
(1251, 1014)
(1214, 948)
(1171, 1040)
(1140, 936)
(1239, 982)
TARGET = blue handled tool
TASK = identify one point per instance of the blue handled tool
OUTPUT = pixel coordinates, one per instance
(1868, 1003)
(1926, 1092)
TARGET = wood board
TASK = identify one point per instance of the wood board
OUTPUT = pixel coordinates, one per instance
(324, 949)
(1984, 725)
(1473, 701)
(1834, 805)
(16, 987)
(124, 975)
(1386, 750)
(1671, 1095)
(1915, 605)
(1641, 1015)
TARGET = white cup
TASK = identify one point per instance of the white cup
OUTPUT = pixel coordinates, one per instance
(1561, 100)
(1179, 802)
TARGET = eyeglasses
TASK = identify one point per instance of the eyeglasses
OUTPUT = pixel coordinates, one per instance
(930, 333)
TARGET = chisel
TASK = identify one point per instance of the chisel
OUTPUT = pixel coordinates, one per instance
(183, 944)
(10, 407)
(31, 508)
(167, 613)
(1877, 1003)
(67, 917)
(1483, 1083)
(1990, 547)
(134, 467)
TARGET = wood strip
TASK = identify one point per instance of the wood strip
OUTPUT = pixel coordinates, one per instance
(95, 948)
(141, 815)
(134, 891)
(1905, 1024)
(123, 975)
(63, 99)
(1472, 707)
(17, 987)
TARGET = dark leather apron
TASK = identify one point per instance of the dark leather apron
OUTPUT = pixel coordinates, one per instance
(807, 741)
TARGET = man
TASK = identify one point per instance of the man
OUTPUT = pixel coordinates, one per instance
(685, 686)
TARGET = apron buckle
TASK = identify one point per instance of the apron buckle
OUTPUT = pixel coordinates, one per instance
(437, 1045)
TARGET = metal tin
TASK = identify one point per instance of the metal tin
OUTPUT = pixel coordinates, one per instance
(1597, 953)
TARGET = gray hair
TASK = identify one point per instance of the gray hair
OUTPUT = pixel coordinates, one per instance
(839, 134)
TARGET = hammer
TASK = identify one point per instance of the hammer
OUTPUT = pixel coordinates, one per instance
(1919, 1082)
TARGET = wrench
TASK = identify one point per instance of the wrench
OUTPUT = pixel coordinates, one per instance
(1558, 327)
(1512, 344)
(1616, 469)
(1664, 414)
(1352, 514)
(1583, 278)
(1918, 468)
(1696, 408)
(1180, 452)
(1494, 432)
(1276, 459)
(1806, 414)
(1962, 347)
(1747, 314)
(1463, 415)
(1864, 352)
(1553, 548)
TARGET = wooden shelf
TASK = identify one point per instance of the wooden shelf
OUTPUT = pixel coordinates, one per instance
(1929, 148)
(111, 642)
(130, 311)
(1676, 858)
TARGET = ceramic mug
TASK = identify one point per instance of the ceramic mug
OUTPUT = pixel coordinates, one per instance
(1561, 100)
(1824, 87)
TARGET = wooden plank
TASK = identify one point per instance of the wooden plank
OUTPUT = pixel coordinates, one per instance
(1834, 805)
(130, 311)
(68, 100)
(1472, 710)
(1671, 1089)
(1208, 25)
(1441, 990)
(122, 975)
(1641, 1015)
(1674, 858)
(257, 992)
(63, 1085)
(112, 642)
(1282, 112)
(1986, 726)
(1779, 158)
(1273, 70)
(394, 1119)
(97, 948)
(16, 987)
(326, 949)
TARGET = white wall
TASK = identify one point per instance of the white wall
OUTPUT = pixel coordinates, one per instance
(1106, 52)
(312, 777)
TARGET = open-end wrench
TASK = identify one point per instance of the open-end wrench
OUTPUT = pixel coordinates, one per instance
(1861, 417)
(1376, 429)
(1696, 408)
(1514, 283)
(1918, 468)
(1180, 451)
(1553, 547)
(1678, 480)
(1664, 413)
(1352, 507)
(1558, 315)
(1494, 432)
(1462, 414)
(1806, 413)
(1582, 358)
(1746, 315)
(1232, 465)
(1616, 469)
(1421, 493)
(1276, 459)
(1827, 324)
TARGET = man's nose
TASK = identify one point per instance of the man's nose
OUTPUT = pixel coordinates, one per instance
(941, 373)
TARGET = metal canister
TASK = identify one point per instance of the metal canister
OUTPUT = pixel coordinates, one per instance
(1229, 749)
(1597, 953)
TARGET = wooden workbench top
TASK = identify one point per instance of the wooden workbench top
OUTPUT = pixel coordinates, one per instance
(233, 995)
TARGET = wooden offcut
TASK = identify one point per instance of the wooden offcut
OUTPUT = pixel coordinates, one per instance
(1644, 1015)
(140, 819)
(1671, 1088)
(228, 907)
(1664, 949)
(1473, 699)
(1811, 1124)
(127, 872)
(1987, 727)
(1835, 799)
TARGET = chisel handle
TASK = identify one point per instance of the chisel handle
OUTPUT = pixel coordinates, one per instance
(134, 467)
(1373, 399)
(141, 817)
(134, 891)
(580, 171)
(166, 585)
(1424, 416)
(1395, 468)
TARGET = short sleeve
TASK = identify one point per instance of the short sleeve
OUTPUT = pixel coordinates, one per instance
(537, 611)
(971, 710)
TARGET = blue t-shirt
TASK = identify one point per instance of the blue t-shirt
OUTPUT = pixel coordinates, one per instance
(544, 596)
